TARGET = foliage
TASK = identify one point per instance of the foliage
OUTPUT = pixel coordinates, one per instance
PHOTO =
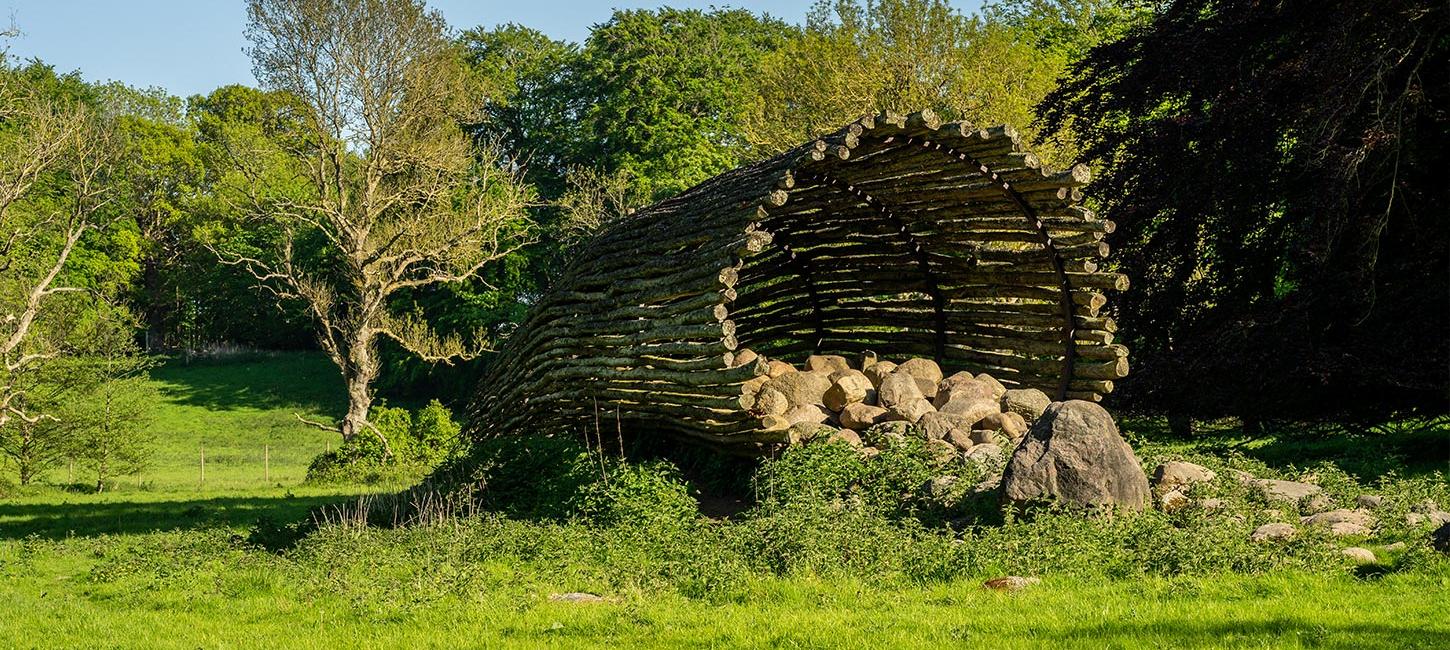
(109, 424)
(858, 58)
(404, 444)
(1273, 194)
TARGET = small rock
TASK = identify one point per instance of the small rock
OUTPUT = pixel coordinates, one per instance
(801, 388)
(867, 453)
(1369, 501)
(1174, 473)
(808, 431)
(1274, 531)
(940, 487)
(807, 414)
(878, 372)
(1439, 517)
(971, 410)
(998, 390)
(961, 386)
(927, 374)
(887, 434)
(1397, 546)
(850, 388)
(861, 416)
(1286, 490)
(848, 437)
(897, 388)
(1010, 583)
(959, 439)
(1010, 424)
(776, 368)
(576, 597)
(986, 456)
(941, 451)
(770, 401)
(1415, 519)
(1211, 505)
(1026, 402)
(1361, 518)
(826, 362)
(984, 436)
(911, 410)
(1315, 503)
(938, 425)
(1348, 529)
(1172, 501)
(1359, 555)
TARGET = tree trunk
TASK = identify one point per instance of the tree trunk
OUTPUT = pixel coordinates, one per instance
(358, 372)
(1181, 426)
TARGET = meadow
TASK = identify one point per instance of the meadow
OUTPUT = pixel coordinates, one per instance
(179, 563)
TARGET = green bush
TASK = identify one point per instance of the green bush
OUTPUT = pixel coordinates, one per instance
(649, 494)
(417, 443)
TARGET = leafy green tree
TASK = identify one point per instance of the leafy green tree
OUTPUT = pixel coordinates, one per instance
(1273, 171)
(395, 194)
(108, 426)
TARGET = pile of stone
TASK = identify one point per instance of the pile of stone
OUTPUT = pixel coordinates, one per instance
(871, 401)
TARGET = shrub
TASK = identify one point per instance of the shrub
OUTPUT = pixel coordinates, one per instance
(649, 494)
(417, 443)
(889, 483)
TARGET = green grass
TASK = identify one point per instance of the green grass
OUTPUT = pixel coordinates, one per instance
(169, 564)
(197, 590)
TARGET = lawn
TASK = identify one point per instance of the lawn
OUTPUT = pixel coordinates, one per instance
(170, 564)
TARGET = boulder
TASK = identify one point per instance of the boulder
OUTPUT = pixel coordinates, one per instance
(910, 410)
(743, 357)
(960, 439)
(849, 388)
(1316, 503)
(941, 451)
(848, 437)
(961, 386)
(1291, 491)
(776, 368)
(1348, 529)
(1074, 454)
(576, 597)
(938, 425)
(926, 373)
(1175, 473)
(1360, 518)
(987, 437)
(807, 414)
(800, 432)
(1010, 424)
(1369, 501)
(986, 456)
(940, 488)
(770, 401)
(897, 388)
(998, 390)
(827, 363)
(1026, 402)
(886, 434)
(970, 410)
(861, 416)
(1211, 505)
(878, 372)
(1359, 555)
(1275, 531)
(801, 388)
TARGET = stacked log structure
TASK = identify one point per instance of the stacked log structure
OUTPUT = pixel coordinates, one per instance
(897, 234)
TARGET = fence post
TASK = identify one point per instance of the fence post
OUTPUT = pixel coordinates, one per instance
(266, 463)
(202, 476)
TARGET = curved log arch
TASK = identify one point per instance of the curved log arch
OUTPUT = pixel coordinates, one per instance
(896, 234)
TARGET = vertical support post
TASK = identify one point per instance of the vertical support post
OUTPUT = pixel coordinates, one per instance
(266, 463)
(201, 475)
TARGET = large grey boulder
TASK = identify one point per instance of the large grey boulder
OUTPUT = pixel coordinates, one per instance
(1075, 455)
(1175, 473)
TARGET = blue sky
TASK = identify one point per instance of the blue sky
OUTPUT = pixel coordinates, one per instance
(193, 46)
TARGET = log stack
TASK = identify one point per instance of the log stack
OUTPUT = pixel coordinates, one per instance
(899, 234)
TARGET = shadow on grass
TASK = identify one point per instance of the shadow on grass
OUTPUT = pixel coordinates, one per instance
(299, 380)
(1288, 631)
(62, 520)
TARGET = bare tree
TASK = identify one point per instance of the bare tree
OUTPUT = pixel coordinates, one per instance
(396, 195)
(44, 139)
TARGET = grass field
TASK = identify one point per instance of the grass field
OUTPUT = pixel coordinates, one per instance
(168, 564)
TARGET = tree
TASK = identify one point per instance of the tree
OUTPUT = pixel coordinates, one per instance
(56, 161)
(108, 427)
(1272, 168)
(854, 59)
(394, 196)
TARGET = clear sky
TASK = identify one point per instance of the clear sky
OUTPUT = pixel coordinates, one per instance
(193, 46)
